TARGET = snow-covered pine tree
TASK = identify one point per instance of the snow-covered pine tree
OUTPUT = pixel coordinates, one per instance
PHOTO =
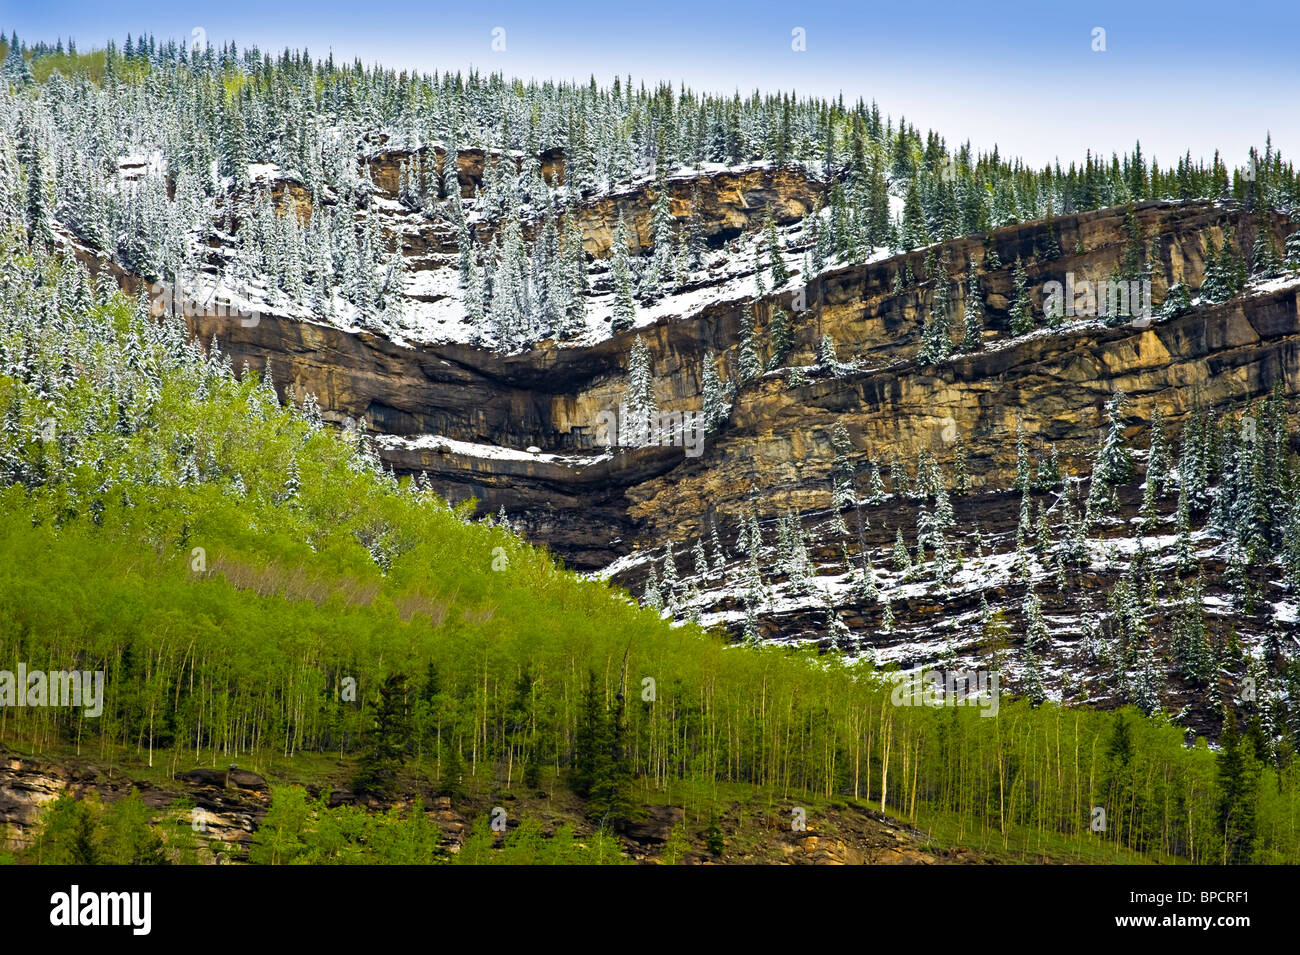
(1114, 463)
(902, 560)
(887, 623)
(575, 276)
(827, 359)
(624, 290)
(844, 492)
(875, 486)
(714, 405)
(640, 428)
(719, 554)
(701, 560)
(650, 596)
(780, 338)
(936, 335)
(973, 315)
(1022, 312)
(749, 365)
(669, 585)
(16, 70)
(780, 274)
(659, 274)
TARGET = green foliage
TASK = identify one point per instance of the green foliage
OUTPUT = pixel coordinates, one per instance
(714, 840)
(239, 650)
(387, 742)
(129, 838)
(299, 831)
(528, 845)
(68, 834)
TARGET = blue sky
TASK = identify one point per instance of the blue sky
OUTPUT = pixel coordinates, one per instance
(1189, 75)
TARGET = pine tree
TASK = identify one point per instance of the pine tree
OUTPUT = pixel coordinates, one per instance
(902, 561)
(749, 366)
(827, 359)
(780, 338)
(1114, 462)
(887, 617)
(574, 271)
(719, 555)
(659, 275)
(714, 405)
(385, 743)
(668, 582)
(875, 486)
(128, 837)
(642, 408)
(780, 274)
(701, 561)
(624, 293)
(843, 494)
(650, 597)
(1158, 456)
(973, 317)
(40, 220)
(1022, 313)
(1238, 779)
(913, 231)
(17, 72)
(936, 336)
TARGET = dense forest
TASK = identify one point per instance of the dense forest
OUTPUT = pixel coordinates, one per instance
(229, 564)
(254, 584)
(195, 121)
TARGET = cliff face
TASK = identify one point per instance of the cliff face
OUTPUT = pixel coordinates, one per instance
(725, 204)
(1054, 385)
(524, 432)
(777, 439)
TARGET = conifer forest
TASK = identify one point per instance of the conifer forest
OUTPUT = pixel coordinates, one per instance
(406, 462)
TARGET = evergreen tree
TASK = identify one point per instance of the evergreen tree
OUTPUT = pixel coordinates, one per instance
(827, 359)
(780, 338)
(68, 834)
(843, 494)
(714, 405)
(40, 219)
(624, 294)
(642, 408)
(780, 274)
(750, 366)
(659, 274)
(936, 336)
(385, 746)
(1238, 780)
(17, 72)
(1022, 313)
(128, 838)
(973, 318)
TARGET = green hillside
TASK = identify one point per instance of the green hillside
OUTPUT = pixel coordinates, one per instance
(236, 568)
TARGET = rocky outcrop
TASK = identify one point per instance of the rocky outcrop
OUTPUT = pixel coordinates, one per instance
(722, 204)
(226, 805)
(385, 166)
(777, 437)
(1054, 385)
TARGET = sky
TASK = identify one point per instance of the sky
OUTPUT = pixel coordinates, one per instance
(1028, 76)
